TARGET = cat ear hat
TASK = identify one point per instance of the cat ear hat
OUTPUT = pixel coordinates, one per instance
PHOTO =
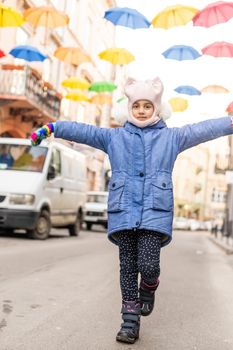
(135, 90)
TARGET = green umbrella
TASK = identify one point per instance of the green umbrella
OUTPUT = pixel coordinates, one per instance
(102, 86)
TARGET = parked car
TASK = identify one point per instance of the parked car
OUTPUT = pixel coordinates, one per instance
(95, 210)
(41, 187)
(181, 223)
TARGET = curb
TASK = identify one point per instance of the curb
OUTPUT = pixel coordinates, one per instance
(222, 245)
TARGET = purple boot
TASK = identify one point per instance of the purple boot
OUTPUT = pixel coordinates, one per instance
(130, 327)
(147, 296)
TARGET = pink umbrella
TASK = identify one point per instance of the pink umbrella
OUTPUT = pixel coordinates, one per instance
(219, 49)
(215, 13)
(2, 54)
(230, 108)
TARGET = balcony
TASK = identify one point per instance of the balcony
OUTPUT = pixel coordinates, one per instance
(24, 91)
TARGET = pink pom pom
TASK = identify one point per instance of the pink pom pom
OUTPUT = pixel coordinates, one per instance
(34, 136)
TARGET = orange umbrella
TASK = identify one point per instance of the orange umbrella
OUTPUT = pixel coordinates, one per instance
(215, 89)
(72, 55)
(117, 56)
(46, 16)
(101, 99)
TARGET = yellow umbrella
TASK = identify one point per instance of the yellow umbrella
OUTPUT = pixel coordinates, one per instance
(46, 16)
(117, 56)
(75, 83)
(178, 104)
(101, 99)
(10, 17)
(77, 97)
(173, 16)
(215, 89)
(72, 55)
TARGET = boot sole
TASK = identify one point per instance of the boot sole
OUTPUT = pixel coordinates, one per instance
(125, 339)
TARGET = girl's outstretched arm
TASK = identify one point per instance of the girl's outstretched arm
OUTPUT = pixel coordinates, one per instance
(79, 132)
(83, 133)
(194, 134)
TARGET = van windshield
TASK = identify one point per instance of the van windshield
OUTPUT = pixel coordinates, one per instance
(22, 157)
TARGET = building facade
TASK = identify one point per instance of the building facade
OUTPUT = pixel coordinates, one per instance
(200, 187)
(31, 93)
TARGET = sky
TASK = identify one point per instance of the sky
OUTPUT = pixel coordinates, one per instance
(147, 46)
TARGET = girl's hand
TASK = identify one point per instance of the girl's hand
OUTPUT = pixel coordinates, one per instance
(42, 133)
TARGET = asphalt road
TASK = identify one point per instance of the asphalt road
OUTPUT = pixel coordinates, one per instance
(63, 294)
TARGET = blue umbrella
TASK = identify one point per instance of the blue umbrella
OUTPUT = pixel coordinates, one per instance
(27, 53)
(187, 90)
(126, 17)
(181, 52)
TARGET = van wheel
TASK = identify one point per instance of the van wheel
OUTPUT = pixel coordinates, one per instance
(43, 226)
(76, 227)
(89, 226)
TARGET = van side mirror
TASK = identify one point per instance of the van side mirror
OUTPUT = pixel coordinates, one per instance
(51, 172)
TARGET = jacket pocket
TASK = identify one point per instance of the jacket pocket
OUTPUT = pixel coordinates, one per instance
(162, 193)
(116, 189)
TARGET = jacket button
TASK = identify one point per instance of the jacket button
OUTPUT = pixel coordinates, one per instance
(113, 185)
(164, 185)
(141, 174)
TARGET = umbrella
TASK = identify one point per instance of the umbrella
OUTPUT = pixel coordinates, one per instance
(215, 13)
(46, 16)
(102, 86)
(126, 17)
(215, 89)
(2, 54)
(187, 90)
(101, 99)
(27, 53)
(75, 83)
(117, 56)
(181, 52)
(173, 16)
(178, 104)
(10, 17)
(72, 55)
(230, 108)
(77, 97)
(219, 49)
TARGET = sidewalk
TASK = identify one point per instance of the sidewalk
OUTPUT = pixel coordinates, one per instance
(225, 243)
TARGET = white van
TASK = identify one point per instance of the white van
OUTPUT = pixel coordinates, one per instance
(41, 187)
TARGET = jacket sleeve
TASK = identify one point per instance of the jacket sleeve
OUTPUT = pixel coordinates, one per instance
(194, 134)
(83, 133)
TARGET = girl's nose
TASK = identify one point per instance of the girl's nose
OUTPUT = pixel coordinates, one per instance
(141, 110)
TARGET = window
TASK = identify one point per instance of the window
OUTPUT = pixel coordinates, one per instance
(56, 161)
(22, 157)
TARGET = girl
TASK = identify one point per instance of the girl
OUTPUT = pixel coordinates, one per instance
(140, 205)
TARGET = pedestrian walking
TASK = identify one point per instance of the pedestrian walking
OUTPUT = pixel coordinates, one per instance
(142, 154)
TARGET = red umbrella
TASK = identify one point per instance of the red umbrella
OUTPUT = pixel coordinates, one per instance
(230, 108)
(2, 54)
(219, 49)
(215, 13)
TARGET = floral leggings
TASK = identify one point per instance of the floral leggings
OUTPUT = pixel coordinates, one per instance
(139, 252)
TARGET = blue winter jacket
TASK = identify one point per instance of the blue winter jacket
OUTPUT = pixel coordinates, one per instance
(142, 160)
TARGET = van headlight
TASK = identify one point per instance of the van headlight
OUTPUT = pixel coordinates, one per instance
(22, 199)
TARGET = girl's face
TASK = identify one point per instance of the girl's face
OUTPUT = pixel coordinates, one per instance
(142, 110)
